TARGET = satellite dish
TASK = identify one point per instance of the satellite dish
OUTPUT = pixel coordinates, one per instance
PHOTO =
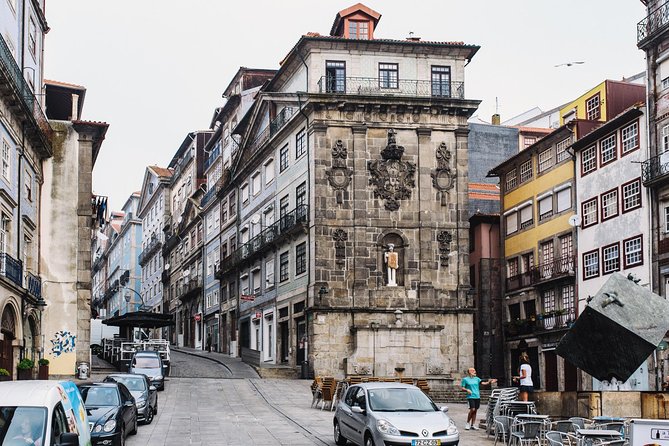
(575, 220)
(167, 266)
(255, 219)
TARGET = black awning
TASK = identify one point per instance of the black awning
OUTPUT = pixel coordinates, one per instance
(140, 319)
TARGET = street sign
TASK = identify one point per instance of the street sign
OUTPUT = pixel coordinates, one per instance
(198, 317)
(248, 297)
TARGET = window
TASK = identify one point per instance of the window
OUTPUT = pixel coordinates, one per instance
(528, 141)
(388, 75)
(546, 160)
(512, 267)
(589, 212)
(561, 150)
(358, 29)
(283, 267)
(590, 264)
(511, 223)
(269, 273)
(511, 179)
(564, 199)
(665, 138)
(335, 77)
(526, 219)
(631, 195)
(609, 204)
(548, 300)
(4, 232)
(300, 143)
(6, 154)
(224, 250)
(301, 200)
(545, 207)
(283, 207)
(269, 171)
(255, 280)
(245, 193)
(566, 246)
(608, 149)
(301, 258)
(568, 303)
(665, 83)
(592, 108)
(232, 204)
(633, 253)
(224, 211)
(32, 42)
(233, 243)
(29, 186)
(611, 257)
(526, 171)
(283, 158)
(256, 183)
(441, 81)
(547, 252)
(528, 261)
(666, 219)
(630, 137)
(588, 160)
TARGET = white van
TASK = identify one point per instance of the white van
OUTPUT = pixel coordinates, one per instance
(43, 413)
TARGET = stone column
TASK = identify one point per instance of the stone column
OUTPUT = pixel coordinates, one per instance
(360, 193)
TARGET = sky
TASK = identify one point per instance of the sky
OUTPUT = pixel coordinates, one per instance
(155, 70)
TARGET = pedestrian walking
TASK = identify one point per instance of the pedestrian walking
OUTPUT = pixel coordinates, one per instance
(525, 377)
(471, 384)
(209, 341)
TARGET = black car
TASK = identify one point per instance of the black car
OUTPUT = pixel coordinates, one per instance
(145, 394)
(111, 410)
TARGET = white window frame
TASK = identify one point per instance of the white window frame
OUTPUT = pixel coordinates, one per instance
(269, 273)
(545, 207)
(633, 247)
(256, 182)
(589, 160)
(6, 160)
(591, 264)
(546, 160)
(611, 258)
(590, 208)
(631, 195)
(269, 171)
(561, 150)
(591, 105)
(244, 191)
(609, 202)
(511, 221)
(629, 136)
(608, 149)
(563, 199)
(526, 171)
(511, 179)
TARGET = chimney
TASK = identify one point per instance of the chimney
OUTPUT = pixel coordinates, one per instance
(495, 119)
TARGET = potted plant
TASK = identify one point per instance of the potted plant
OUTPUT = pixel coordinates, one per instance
(4, 375)
(25, 368)
(43, 371)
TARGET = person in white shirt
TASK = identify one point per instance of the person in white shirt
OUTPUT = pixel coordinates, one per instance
(525, 378)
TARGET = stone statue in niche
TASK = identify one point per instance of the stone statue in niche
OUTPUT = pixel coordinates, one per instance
(392, 263)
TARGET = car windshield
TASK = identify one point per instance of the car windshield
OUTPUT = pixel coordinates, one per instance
(400, 400)
(100, 396)
(144, 362)
(22, 425)
(131, 382)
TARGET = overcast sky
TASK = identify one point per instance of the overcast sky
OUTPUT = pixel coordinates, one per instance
(155, 70)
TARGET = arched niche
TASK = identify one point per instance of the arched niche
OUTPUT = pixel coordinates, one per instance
(400, 243)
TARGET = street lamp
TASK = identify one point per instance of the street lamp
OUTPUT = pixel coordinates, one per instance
(128, 297)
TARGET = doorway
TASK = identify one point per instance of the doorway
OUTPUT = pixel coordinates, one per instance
(302, 342)
(284, 342)
(550, 361)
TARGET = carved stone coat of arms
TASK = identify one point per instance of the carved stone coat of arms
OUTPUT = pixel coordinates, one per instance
(392, 177)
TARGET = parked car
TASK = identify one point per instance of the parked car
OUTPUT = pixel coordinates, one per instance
(149, 363)
(111, 412)
(392, 413)
(145, 394)
(43, 413)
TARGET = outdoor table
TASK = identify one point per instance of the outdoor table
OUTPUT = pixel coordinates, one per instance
(590, 434)
(532, 416)
(605, 419)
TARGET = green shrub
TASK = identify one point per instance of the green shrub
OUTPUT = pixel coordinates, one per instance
(26, 363)
(43, 361)
(4, 372)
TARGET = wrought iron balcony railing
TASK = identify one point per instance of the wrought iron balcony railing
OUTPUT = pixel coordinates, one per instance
(30, 103)
(556, 319)
(277, 123)
(385, 87)
(655, 169)
(189, 287)
(656, 21)
(520, 327)
(11, 268)
(272, 234)
(154, 246)
(563, 266)
(215, 153)
(34, 285)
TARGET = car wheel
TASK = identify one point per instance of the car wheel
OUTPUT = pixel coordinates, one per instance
(148, 418)
(341, 441)
(369, 441)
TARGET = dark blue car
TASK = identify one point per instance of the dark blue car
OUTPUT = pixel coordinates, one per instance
(111, 410)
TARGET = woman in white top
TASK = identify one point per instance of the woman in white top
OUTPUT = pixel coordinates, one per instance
(526, 384)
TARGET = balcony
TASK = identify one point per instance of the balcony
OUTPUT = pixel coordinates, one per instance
(654, 170)
(215, 153)
(520, 327)
(369, 86)
(11, 268)
(560, 267)
(272, 129)
(285, 226)
(556, 319)
(154, 246)
(34, 285)
(13, 83)
(653, 24)
(189, 288)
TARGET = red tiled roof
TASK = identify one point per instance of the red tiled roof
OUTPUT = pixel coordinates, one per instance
(161, 171)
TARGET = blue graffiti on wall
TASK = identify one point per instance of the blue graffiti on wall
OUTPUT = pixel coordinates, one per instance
(63, 342)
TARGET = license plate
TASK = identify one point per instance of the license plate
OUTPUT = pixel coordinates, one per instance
(436, 442)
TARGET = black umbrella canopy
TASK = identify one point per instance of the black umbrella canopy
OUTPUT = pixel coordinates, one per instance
(140, 319)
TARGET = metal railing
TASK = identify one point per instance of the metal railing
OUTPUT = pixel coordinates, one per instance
(34, 285)
(655, 168)
(655, 21)
(212, 156)
(382, 87)
(272, 234)
(10, 67)
(562, 266)
(11, 268)
(557, 319)
(211, 193)
(272, 129)
(519, 327)
(185, 289)
(154, 245)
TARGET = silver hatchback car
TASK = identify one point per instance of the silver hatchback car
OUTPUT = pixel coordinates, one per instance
(378, 414)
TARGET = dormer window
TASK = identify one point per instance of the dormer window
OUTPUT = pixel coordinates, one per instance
(358, 29)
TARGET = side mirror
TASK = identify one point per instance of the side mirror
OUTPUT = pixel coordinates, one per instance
(152, 388)
(129, 403)
(358, 409)
(444, 409)
(68, 439)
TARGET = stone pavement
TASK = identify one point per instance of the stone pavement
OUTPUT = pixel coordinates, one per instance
(237, 368)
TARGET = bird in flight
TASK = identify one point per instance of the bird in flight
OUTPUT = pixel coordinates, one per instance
(569, 64)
